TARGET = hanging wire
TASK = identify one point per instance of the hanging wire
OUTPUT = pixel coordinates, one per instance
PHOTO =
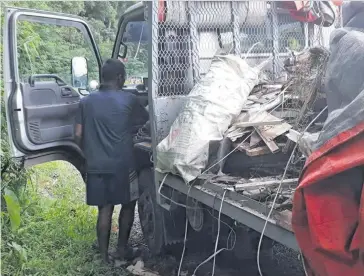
(279, 190)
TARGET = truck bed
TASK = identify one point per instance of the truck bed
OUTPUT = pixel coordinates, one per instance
(243, 208)
(247, 201)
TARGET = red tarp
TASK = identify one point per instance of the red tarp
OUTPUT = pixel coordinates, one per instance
(328, 209)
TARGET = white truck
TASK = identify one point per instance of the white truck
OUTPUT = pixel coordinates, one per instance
(180, 39)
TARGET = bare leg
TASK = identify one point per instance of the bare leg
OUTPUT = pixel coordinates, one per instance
(126, 220)
(103, 230)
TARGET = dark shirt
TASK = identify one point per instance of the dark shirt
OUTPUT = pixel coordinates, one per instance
(107, 120)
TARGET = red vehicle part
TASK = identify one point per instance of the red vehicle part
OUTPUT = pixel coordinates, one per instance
(328, 209)
(309, 11)
(162, 10)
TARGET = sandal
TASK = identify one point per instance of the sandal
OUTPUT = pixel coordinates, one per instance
(129, 254)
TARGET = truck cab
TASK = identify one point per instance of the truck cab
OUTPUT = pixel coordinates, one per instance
(41, 103)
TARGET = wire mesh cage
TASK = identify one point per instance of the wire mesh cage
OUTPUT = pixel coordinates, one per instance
(188, 34)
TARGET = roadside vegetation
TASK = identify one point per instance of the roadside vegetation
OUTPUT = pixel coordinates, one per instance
(47, 229)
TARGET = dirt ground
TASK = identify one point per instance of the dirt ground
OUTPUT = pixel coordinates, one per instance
(285, 262)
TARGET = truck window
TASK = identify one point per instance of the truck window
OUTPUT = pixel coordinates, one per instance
(136, 61)
(49, 49)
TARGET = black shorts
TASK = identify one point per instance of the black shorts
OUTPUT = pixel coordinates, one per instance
(114, 189)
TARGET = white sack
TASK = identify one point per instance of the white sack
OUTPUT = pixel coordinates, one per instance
(209, 110)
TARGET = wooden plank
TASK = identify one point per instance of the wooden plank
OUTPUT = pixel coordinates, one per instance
(241, 146)
(273, 131)
(270, 143)
(256, 183)
(258, 123)
(258, 151)
(293, 135)
(255, 139)
(222, 178)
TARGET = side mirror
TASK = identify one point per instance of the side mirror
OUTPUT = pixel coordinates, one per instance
(79, 72)
(123, 50)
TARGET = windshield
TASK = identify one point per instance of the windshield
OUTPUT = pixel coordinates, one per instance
(135, 39)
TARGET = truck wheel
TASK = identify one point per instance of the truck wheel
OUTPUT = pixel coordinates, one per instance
(150, 213)
(247, 244)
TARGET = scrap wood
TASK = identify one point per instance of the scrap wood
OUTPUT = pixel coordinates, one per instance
(270, 143)
(273, 131)
(219, 178)
(269, 132)
(258, 123)
(255, 118)
(256, 183)
(254, 139)
(241, 146)
(222, 185)
(258, 194)
(260, 116)
(293, 135)
(260, 150)
(257, 151)
(235, 133)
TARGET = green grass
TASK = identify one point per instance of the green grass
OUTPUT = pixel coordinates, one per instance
(57, 228)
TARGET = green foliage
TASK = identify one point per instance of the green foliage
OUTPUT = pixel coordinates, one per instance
(12, 208)
(57, 228)
(48, 49)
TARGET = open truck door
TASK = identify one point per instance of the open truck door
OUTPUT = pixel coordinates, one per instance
(50, 61)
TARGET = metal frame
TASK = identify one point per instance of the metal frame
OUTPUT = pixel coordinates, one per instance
(240, 208)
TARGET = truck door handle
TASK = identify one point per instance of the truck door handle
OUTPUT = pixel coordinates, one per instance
(66, 92)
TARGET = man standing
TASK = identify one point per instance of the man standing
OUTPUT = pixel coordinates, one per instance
(104, 132)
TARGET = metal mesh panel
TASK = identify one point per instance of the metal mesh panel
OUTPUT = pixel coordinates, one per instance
(187, 34)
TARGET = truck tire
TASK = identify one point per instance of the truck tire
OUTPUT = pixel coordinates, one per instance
(150, 213)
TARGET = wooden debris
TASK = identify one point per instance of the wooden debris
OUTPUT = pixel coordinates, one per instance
(270, 143)
(272, 132)
(220, 178)
(260, 150)
(234, 133)
(258, 194)
(255, 139)
(259, 123)
(241, 146)
(258, 183)
(293, 135)
(267, 126)
(257, 151)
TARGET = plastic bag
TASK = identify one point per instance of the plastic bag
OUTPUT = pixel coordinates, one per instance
(209, 110)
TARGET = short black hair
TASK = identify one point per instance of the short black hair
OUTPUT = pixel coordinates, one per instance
(112, 69)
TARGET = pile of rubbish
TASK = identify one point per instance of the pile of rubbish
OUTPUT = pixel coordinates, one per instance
(237, 127)
(276, 116)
